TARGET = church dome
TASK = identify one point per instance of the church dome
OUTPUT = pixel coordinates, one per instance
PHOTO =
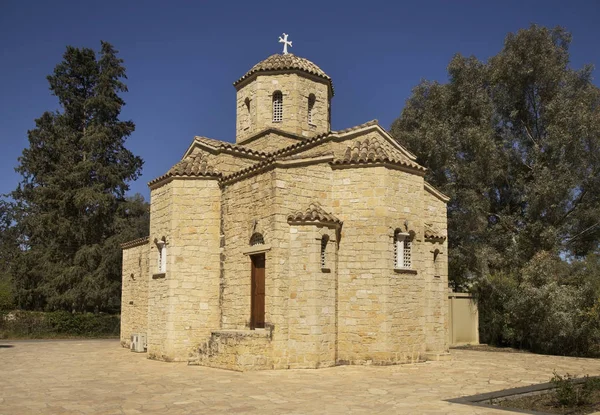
(281, 62)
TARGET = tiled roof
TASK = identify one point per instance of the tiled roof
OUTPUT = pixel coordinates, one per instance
(135, 242)
(302, 156)
(255, 168)
(194, 165)
(314, 213)
(431, 233)
(367, 151)
(357, 127)
(376, 153)
(371, 151)
(290, 61)
(313, 140)
(229, 146)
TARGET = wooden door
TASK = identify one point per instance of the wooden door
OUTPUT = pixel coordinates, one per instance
(257, 314)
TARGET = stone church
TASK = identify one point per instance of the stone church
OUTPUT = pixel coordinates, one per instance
(296, 247)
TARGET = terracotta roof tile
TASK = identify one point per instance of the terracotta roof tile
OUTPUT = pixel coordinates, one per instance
(321, 137)
(194, 165)
(432, 233)
(372, 151)
(357, 127)
(368, 151)
(135, 242)
(302, 156)
(223, 145)
(260, 166)
(314, 213)
(279, 62)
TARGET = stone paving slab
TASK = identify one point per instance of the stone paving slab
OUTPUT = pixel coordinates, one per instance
(100, 377)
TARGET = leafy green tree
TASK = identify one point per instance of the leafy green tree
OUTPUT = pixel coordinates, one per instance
(73, 212)
(515, 143)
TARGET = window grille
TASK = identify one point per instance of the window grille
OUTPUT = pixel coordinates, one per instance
(324, 241)
(257, 239)
(311, 105)
(402, 251)
(277, 106)
(406, 254)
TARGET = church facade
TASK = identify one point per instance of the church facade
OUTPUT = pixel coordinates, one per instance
(295, 247)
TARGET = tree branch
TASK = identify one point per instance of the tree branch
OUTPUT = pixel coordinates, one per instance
(575, 205)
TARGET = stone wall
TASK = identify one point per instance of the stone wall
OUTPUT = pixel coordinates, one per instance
(312, 305)
(296, 89)
(360, 310)
(405, 205)
(184, 301)
(437, 319)
(240, 350)
(248, 208)
(380, 309)
(308, 324)
(134, 295)
(161, 212)
(296, 296)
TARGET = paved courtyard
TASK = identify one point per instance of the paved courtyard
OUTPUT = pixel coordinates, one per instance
(99, 377)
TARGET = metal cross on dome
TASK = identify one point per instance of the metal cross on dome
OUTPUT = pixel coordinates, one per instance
(285, 43)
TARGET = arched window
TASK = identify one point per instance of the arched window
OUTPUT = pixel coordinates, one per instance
(311, 105)
(248, 118)
(277, 106)
(257, 239)
(324, 241)
(402, 250)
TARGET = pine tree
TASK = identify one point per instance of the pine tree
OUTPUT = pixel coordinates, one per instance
(73, 210)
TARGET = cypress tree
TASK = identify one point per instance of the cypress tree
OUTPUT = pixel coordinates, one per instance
(72, 204)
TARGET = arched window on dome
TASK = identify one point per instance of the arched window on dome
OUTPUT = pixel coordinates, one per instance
(277, 106)
(247, 102)
(311, 106)
(248, 113)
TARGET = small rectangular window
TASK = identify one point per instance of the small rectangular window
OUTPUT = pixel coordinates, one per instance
(277, 106)
(402, 251)
(324, 241)
(162, 257)
(311, 106)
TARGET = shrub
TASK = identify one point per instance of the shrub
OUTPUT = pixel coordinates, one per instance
(567, 393)
(7, 300)
(34, 324)
(550, 306)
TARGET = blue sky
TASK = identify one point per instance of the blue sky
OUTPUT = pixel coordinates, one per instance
(182, 57)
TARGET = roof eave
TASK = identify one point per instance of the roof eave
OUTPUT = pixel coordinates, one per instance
(246, 79)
